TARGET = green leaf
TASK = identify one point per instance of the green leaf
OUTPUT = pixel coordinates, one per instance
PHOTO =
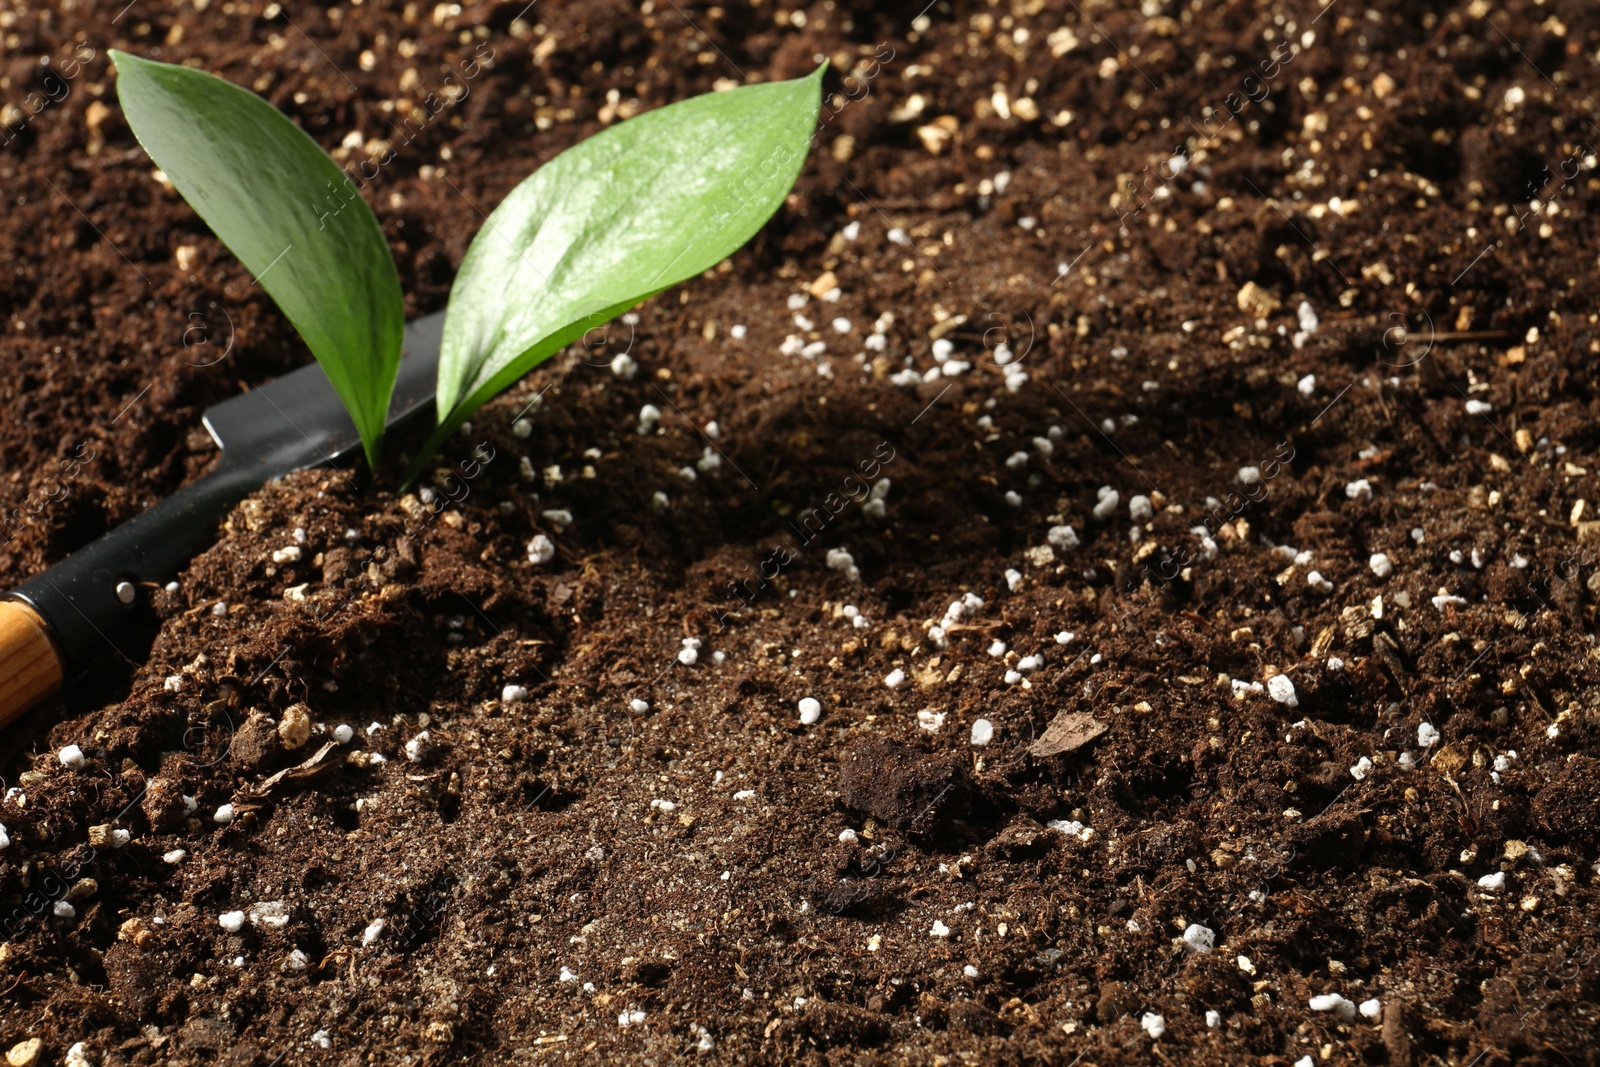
(615, 220)
(293, 218)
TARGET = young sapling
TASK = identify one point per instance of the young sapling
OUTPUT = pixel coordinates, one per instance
(605, 225)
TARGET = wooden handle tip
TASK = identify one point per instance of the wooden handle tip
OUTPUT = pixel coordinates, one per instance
(30, 668)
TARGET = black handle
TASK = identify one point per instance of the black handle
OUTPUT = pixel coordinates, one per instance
(83, 598)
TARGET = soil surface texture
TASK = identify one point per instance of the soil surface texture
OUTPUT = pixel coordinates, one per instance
(1158, 437)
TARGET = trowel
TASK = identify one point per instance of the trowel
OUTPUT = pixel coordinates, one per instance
(56, 623)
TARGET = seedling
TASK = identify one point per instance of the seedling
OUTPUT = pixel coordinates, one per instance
(605, 225)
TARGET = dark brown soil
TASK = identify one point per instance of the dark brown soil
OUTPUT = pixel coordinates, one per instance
(684, 864)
